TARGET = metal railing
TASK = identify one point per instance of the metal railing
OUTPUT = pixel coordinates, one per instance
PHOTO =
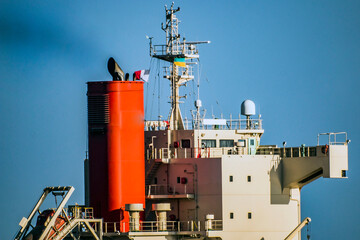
(290, 152)
(332, 138)
(187, 71)
(115, 227)
(164, 153)
(162, 189)
(231, 124)
(214, 225)
(182, 48)
(78, 211)
(168, 226)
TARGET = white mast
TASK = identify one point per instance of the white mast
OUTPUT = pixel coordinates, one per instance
(174, 49)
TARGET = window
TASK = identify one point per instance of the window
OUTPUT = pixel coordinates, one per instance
(155, 180)
(178, 179)
(185, 143)
(249, 178)
(231, 179)
(252, 142)
(249, 215)
(209, 143)
(242, 143)
(226, 143)
(231, 215)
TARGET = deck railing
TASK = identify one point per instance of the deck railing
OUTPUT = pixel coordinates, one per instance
(163, 189)
(291, 152)
(180, 49)
(168, 226)
(165, 153)
(230, 124)
(336, 138)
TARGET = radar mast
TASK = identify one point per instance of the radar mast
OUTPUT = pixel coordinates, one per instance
(175, 51)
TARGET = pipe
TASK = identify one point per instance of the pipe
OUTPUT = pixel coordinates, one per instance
(299, 217)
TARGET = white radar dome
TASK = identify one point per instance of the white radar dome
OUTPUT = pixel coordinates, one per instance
(248, 108)
(198, 103)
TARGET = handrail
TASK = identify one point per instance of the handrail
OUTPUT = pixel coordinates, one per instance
(156, 226)
(182, 49)
(207, 152)
(334, 134)
(163, 189)
(231, 124)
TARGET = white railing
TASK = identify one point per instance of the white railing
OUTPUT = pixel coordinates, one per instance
(333, 138)
(160, 189)
(187, 71)
(176, 50)
(77, 211)
(291, 152)
(168, 226)
(213, 225)
(231, 124)
(157, 153)
(164, 153)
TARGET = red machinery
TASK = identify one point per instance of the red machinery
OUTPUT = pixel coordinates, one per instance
(116, 171)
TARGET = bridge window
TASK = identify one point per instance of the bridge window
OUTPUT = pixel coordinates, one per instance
(209, 143)
(226, 143)
(242, 143)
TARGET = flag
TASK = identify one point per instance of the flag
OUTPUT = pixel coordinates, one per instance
(142, 75)
(180, 62)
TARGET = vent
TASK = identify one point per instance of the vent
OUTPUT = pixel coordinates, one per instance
(98, 109)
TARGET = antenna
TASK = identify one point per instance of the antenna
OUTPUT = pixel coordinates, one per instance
(150, 44)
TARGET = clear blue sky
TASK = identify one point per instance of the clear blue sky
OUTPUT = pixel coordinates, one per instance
(298, 60)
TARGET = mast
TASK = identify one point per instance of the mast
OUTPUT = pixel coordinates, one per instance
(174, 51)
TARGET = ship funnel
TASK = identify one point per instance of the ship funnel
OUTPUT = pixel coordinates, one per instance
(115, 70)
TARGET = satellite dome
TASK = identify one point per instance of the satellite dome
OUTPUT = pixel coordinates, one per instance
(248, 108)
(198, 103)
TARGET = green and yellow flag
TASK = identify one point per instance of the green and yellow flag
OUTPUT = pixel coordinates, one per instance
(180, 62)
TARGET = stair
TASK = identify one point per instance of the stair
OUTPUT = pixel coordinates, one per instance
(67, 229)
(151, 172)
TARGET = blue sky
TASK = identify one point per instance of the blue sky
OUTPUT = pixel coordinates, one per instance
(299, 61)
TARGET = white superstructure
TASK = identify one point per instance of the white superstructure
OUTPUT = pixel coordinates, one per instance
(218, 166)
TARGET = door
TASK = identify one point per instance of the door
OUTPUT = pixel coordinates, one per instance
(252, 146)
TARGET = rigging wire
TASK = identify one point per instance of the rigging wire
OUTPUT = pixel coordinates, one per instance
(159, 98)
(212, 95)
(156, 83)
(147, 87)
(153, 96)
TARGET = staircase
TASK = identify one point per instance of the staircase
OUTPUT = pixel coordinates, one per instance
(67, 229)
(85, 223)
(151, 172)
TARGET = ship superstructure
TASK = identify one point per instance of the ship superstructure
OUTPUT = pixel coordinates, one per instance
(200, 179)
